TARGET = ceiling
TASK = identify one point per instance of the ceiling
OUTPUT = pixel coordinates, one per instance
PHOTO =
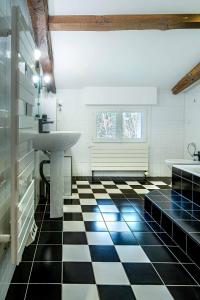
(123, 58)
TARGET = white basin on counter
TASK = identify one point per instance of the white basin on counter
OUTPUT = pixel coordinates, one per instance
(195, 170)
(180, 161)
(56, 142)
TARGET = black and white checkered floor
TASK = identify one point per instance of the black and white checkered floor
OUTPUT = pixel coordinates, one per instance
(105, 247)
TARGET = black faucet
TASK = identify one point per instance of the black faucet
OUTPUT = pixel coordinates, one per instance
(198, 155)
(42, 122)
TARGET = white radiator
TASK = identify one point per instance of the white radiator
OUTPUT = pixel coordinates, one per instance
(119, 157)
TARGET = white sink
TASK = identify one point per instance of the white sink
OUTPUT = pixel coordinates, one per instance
(55, 140)
(179, 161)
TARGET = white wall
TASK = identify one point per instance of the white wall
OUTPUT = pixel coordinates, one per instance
(192, 118)
(166, 128)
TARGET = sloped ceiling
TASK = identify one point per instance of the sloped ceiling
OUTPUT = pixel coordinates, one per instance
(123, 58)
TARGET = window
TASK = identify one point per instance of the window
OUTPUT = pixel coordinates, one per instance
(119, 126)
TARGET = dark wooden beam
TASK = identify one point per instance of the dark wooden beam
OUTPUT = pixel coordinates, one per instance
(124, 22)
(188, 80)
(39, 15)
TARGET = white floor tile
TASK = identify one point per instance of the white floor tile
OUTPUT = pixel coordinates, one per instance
(71, 208)
(101, 196)
(132, 254)
(73, 196)
(90, 216)
(85, 191)
(74, 186)
(124, 187)
(133, 183)
(99, 238)
(76, 253)
(88, 202)
(151, 292)
(109, 273)
(108, 208)
(108, 182)
(113, 191)
(96, 186)
(73, 226)
(158, 182)
(151, 187)
(117, 226)
(141, 191)
(79, 292)
(84, 182)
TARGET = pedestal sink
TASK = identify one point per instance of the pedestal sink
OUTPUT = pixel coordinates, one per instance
(56, 142)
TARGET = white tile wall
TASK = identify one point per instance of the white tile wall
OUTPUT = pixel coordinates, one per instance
(166, 129)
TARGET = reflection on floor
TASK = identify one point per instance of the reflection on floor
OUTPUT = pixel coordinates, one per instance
(105, 247)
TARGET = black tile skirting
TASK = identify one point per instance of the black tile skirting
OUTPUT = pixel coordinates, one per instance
(178, 216)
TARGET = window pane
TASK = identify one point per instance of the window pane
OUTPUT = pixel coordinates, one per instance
(106, 125)
(132, 125)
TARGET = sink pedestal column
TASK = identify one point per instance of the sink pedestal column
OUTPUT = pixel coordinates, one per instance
(57, 184)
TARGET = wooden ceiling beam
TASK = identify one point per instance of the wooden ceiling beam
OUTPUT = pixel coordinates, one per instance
(188, 80)
(38, 10)
(124, 22)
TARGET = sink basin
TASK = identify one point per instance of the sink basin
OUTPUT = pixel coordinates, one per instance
(55, 140)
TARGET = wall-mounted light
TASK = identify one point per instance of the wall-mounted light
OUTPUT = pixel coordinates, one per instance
(37, 54)
(36, 79)
(47, 78)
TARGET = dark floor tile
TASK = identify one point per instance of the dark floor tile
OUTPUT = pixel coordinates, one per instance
(185, 292)
(104, 253)
(52, 226)
(78, 272)
(117, 292)
(99, 191)
(165, 238)
(122, 202)
(104, 202)
(123, 238)
(48, 218)
(38, 216)
(174, 274)
(180, 255)
(112, 217)
(194, 271)
(159, 254)
(52, 238)
(139, 227)
(28, 253)
(71, 201)
(90, 208)
(155, 226)
(86, 196)
(44, 292)
(22, 272)
(126, 208)
(48, 253)
(74, 238)
(117, 196)
(131, 217)
(46, 272)
(16, 292)
(147, 238)
(40, 209)
(141, 273)
(95, 226)
(73, 217)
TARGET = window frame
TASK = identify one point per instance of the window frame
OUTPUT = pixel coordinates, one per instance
(119, 128)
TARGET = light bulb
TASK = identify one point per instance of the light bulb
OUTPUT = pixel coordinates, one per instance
(36, 79)
(37, 54)
(47, 78)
